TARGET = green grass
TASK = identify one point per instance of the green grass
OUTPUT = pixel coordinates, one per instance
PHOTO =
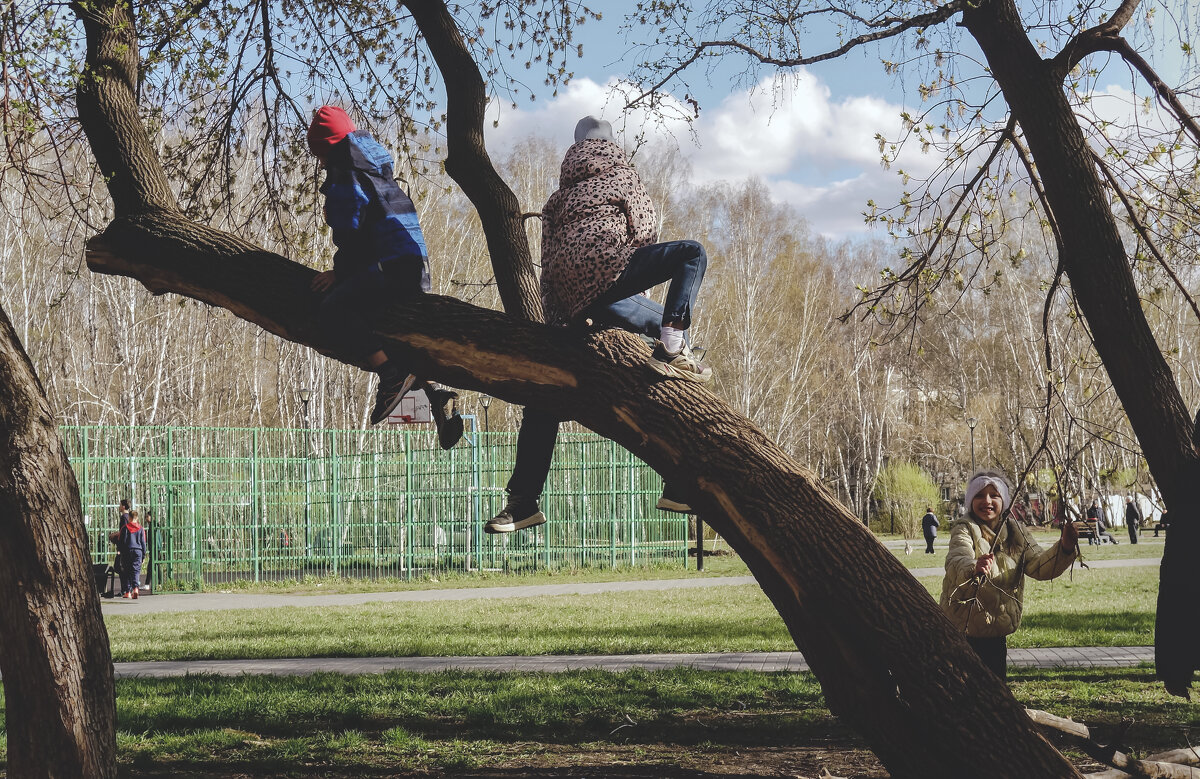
(1099, 607)
(707, 620)
(328, 724)
(721, 564)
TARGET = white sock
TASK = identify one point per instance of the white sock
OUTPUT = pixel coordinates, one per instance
(672, 339)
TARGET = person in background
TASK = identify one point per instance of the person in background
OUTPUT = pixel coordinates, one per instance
(1096, 514)
(1132, 519)
(131, 543)
(990, 555)
(380, 259)
(929, 526)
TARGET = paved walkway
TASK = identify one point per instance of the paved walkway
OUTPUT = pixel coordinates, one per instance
(210, 601)
(1064, 657)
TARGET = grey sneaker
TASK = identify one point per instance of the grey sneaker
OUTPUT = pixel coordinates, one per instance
(679, 365)
(517, 515)
(387, 397)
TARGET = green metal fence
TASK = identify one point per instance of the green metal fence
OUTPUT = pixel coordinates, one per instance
(233, 504)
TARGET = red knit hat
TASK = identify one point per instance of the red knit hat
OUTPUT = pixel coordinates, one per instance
(329, 125)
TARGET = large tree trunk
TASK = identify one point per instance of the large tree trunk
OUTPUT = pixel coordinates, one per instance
(58, 683)
(888, 660)
(1098, 266)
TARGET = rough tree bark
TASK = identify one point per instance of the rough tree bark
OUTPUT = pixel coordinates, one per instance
(888, 660)
(58, 683)
(1098, 266)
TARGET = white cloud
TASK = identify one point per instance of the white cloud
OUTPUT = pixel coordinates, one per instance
(812, 150)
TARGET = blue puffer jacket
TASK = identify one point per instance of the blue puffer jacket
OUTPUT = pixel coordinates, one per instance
(373, 221)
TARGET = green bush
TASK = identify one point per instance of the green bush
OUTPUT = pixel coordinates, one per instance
(902, 493)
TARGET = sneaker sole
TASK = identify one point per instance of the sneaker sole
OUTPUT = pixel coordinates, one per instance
(671, 371)
(511, 527)
(666, 504)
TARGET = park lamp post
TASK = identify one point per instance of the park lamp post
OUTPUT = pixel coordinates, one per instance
(305, 397)
(485, 401)
(971, 422)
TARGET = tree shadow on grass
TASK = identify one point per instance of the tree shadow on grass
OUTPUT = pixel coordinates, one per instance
(680, 706)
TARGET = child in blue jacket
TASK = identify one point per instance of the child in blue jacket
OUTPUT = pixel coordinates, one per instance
(380, 258)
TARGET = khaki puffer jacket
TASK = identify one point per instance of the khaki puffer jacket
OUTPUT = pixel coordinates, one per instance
(600, 214)
(1000, 599)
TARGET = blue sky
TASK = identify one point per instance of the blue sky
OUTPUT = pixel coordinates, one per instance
(810, 135)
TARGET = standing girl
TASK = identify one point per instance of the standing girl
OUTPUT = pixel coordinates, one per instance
(990, 556)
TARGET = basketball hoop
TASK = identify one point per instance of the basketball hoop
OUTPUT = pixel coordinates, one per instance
(414, 409)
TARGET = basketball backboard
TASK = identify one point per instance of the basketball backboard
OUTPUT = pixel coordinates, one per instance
(414, 408)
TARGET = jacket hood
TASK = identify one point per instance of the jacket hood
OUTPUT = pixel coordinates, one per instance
(360, 151)
(133, 526)
(590, 158)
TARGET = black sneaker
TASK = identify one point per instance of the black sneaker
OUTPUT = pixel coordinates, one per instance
(518, 514)
(672, 501)
(679, 365)
(387, 397)
(446, 418)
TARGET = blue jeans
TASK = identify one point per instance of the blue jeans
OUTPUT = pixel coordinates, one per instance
(539, 429)
(683, 263)
(343, 311)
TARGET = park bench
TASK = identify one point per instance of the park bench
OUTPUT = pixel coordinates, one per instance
(1086, 528)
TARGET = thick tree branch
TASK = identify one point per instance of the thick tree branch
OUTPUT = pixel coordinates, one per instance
(1094, 39)
(468, 163)
(1107, 37)
(875, 645)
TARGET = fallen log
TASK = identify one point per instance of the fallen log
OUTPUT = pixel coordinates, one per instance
(1154, 767)
(1189, 756)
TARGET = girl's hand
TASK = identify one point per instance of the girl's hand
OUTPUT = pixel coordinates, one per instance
(984, 564)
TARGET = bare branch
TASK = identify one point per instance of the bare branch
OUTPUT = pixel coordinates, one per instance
(181, 20)
(917, 265)
(1144, 233)
(1036, 182)
(899, 25)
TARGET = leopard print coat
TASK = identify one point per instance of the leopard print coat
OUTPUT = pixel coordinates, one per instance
(600, 214)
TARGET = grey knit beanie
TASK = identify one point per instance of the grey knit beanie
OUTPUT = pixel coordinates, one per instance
(591, 127)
